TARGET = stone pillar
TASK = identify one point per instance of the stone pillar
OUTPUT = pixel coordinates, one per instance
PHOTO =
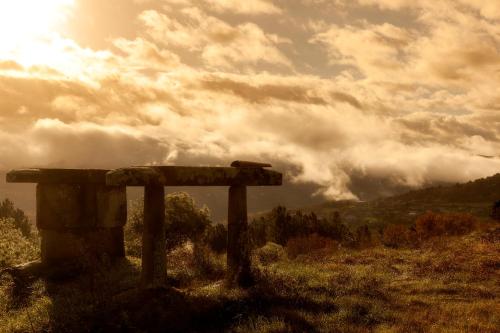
(238, 249)
(154, 265)
(80, 221)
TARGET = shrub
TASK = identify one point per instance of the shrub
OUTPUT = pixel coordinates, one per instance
(395, 235)
(216, 238)
(281, 225)
(206, 264)
(309, 245)
(183, 221)
(269, 253)
(15, 248)
(363, 237)
(444, 224)
(20, 220)
(133, 228)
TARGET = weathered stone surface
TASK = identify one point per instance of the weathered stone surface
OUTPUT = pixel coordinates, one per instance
(111, 206)
(59, 207)
(238, 249)
(59, 246)
(57, 176)
(73, 206)
(248, 164)
(193, 176)
(154, 265)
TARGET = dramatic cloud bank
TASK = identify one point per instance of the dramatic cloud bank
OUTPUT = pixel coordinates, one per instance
(407, 91)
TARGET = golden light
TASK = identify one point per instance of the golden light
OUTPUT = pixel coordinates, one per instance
(24, 24)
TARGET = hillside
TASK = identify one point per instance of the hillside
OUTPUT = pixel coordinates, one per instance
(475, 197)
(441, 286)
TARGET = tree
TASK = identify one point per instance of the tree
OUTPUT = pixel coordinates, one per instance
(495, 212)
(280, 224)
(183, 219)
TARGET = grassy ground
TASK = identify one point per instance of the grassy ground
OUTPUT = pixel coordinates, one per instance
(446, 285)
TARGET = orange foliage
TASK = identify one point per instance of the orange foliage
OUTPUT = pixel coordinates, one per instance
(311, 244)
(444, 224)
(396, 235)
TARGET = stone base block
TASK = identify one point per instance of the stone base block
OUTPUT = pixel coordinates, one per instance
(80, 206)
(82, 245)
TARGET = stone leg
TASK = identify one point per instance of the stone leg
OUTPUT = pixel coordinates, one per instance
(238, 249)
(154, 265)
(80, 220)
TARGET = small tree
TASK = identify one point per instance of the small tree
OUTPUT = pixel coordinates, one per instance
(280, 224)
(183, 220)
(363, 236)
(495, 212)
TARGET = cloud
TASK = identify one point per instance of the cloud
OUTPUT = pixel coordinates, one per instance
(249, 7)
(246, 7)
(205, 82)
(219, 44)
(50, 142)
(263, 93)
(144, 54)
(386, 42)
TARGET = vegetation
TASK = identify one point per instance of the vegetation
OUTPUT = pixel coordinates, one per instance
(281, 225)
(183, 221)
(314, 274)
(15, 247)
(475, 197)
(17, 216)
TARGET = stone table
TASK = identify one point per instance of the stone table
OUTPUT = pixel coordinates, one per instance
(154, 179)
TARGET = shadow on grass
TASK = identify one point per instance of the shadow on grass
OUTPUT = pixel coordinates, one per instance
(172, 310)
(108, 300)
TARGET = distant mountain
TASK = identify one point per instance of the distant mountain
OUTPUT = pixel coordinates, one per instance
(475, 197)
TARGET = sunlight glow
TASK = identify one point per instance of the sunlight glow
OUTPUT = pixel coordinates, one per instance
(24, 24)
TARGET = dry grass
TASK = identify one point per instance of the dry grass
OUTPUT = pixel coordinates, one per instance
(448, 284)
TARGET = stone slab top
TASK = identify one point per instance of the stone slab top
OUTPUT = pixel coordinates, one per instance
(247, 164)
(193, 176)
(57, 176)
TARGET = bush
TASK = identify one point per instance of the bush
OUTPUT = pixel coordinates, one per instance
(15, 248)
(281, 225)
(20, 220)
(206, 264)
(133, 228)
(309, 245)
(363, 237)
(269, 253)
(183, 221)
(216, 238)
(396, 235)
(444, 224)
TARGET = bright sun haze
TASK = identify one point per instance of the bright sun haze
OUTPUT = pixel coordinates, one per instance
(26, 23)
(352, 97)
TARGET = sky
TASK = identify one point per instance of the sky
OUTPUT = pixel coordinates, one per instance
(329, 92)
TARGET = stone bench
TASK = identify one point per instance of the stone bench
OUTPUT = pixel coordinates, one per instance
(154, 179)
(77, 214)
